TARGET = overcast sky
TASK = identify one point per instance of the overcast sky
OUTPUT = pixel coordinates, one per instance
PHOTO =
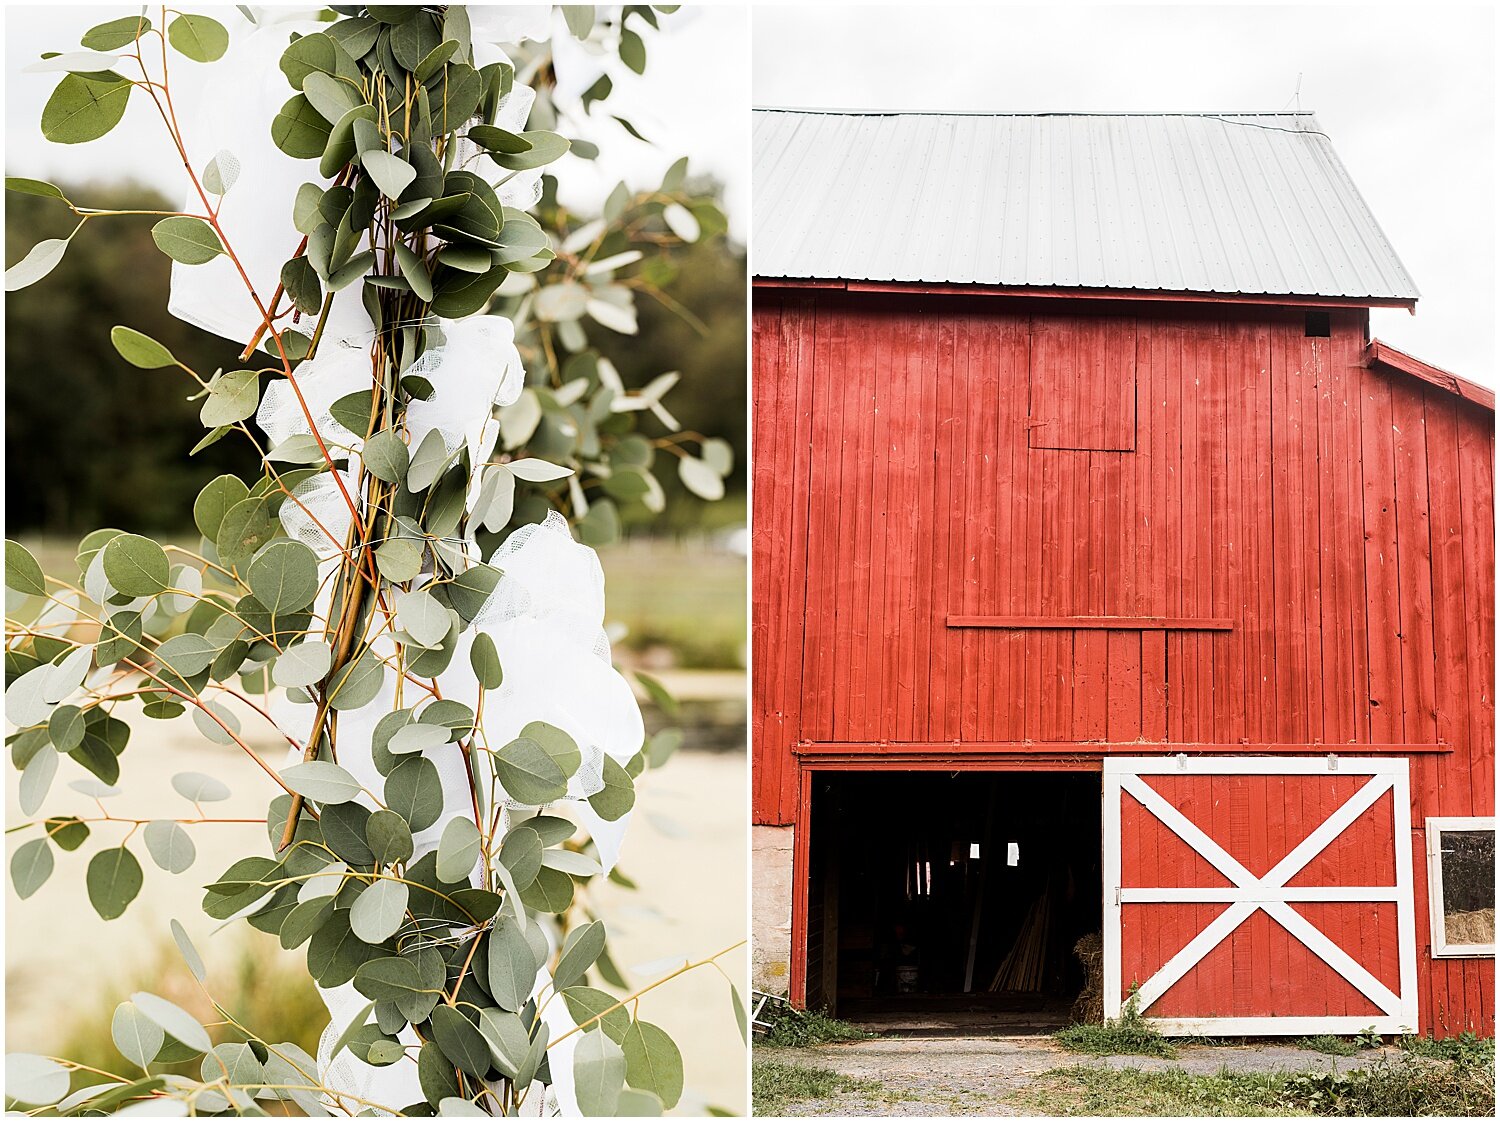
(1407, 94)
(691, 101)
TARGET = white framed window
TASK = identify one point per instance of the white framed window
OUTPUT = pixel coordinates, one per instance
(1461, 884)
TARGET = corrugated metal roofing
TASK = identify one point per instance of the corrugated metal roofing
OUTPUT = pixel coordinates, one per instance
(1180, 202)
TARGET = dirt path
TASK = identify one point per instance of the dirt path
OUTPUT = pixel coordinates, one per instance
(950, 1077)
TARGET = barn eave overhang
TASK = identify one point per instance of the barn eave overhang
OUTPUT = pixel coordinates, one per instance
(931, 288)
(1383, 356)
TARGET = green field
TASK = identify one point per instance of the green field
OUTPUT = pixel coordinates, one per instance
(681, 602)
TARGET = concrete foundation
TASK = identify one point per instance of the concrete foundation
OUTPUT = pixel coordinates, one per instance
(771, 918)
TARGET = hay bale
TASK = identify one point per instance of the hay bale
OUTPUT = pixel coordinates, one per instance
(1088, 1008)
(1470, 928)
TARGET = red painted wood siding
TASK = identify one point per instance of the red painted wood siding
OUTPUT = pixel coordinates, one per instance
(1341, 518)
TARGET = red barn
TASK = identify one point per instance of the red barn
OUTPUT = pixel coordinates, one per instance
(1110, 580)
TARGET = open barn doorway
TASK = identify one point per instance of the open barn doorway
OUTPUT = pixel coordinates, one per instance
(943, 901)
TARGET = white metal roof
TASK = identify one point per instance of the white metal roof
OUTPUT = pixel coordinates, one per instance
(1181, 202)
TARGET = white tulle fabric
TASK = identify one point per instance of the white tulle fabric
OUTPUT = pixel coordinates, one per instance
(546, 619)
(546, 614)
(476, 367)
(234, 114)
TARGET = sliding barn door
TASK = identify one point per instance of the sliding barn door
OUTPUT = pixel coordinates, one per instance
(1259, 896)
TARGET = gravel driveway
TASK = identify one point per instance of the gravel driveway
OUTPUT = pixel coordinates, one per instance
(955, 1076)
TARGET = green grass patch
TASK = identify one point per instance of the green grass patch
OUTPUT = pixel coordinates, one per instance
(686, 597)
(1410, 1086)
(1102, 1091)
(805, 1028)
(1129, 1034)
(1329, 1045)
(1464, 1048)
(268, 992)
(776, 1085)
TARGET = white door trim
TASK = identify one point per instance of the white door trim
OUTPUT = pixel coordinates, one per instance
(1246, 893)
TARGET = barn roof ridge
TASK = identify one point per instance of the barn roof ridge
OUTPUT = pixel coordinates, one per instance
(1172, 202)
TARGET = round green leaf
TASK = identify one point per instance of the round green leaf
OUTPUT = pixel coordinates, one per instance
(198, 37)
(458, 850)
(36, 778)
(429, 461)
(187, 654)
(512, 964)
(214, 501)
(638, 1104)
(699, 478)
(420, 615)
(140, 350)
(136, 1035)
(485, 660)
(170, 846)
(199, 788)
(414, 271)
(232, 396)
(303, 664)
(653, 1062)
(528, 774)
(176, 1022)
(245, 527)
(414, 790)
(69, 833)
(84, 107)
(136, 566)
(582, 948)
(35, 1080)
(299, 130)
(386, 457)
(379, 911)
(301, 282)
(22, 572)
(30, 866)
(390, 172)
(388, 979)
(598, 1075)
(399, 560)
(284, 577)
(322, 781)
(311, 54)
(221, 173)
(357, 684)
(389, 837)
(557, 744)
(189, 241)
(614, 800)
(116, 33)
(114, 880)
(418, 737)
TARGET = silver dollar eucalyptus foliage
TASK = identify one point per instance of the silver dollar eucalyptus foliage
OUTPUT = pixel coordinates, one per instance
(400, 593)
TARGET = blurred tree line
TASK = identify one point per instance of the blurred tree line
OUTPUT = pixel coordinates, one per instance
(91, 441)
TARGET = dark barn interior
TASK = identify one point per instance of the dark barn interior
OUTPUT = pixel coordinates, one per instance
(944, 900)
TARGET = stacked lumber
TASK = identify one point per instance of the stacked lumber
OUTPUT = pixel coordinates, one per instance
(1024, 968)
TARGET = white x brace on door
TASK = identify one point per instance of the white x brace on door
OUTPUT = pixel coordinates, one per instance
(1149, 795)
